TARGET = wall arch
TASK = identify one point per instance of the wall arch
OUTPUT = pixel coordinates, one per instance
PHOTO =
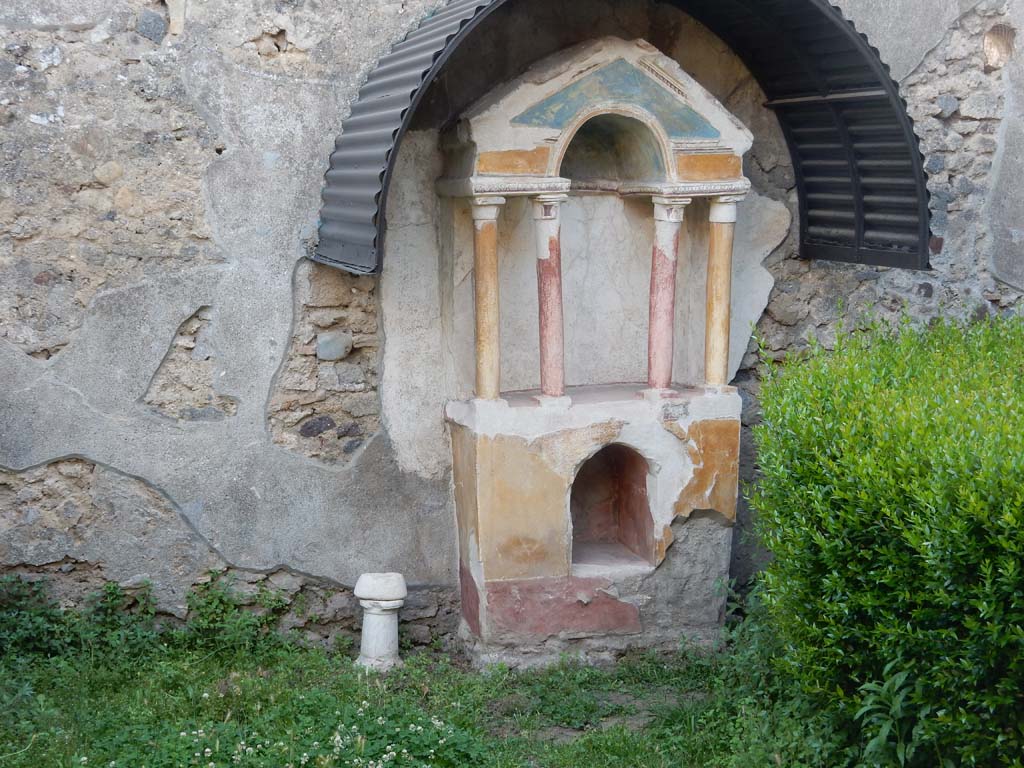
(853, 146)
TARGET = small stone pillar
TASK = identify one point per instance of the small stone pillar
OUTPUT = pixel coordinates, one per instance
(719, 290)
(485, 282)
(546, 210)
(381, 595)
(668, 219)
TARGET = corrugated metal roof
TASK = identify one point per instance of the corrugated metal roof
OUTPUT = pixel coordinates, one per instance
(860, 174)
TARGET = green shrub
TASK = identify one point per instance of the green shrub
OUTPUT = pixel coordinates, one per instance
(892, 498)
(217, 618)
(112, 621)
(30, 623)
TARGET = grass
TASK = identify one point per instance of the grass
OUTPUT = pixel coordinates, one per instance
(126, 697)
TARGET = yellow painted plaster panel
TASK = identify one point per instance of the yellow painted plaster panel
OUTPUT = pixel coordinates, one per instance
(524, 528)
(709, 167)
(714, 447)
(515, 162)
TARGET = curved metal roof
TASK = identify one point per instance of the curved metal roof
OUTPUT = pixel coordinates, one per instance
(859, 170)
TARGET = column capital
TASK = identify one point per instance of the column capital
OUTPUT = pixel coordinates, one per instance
(545, 206)
(670, 208)
(486, 208)
(723, 209)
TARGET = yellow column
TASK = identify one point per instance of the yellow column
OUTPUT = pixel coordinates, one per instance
(485, 282)
(719, 290)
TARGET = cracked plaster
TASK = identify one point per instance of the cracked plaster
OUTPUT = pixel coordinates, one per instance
(257, 504)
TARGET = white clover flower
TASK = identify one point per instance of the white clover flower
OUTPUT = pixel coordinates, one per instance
(206, 695)
(207, 752)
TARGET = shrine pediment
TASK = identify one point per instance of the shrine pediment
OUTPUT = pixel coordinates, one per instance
(609, 97)
(618, 83)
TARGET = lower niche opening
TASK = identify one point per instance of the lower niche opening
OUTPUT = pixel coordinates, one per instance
(612, 527)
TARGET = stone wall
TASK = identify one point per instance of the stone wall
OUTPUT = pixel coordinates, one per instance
(183, 386)
(77, 525)
(160, 173)
(325, 401)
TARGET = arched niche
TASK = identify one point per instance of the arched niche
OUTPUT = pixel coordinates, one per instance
(612, 527)
(610, 149)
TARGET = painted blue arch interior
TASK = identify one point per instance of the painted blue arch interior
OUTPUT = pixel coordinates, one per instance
(618, 81)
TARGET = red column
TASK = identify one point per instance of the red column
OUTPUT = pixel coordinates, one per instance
(668, 219)
(546, 209)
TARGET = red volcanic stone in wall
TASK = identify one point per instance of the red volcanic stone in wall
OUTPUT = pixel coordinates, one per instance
(536, 609)
(470, 600)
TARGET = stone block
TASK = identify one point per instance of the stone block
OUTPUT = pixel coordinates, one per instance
(317, 426)
(948, 105)
(342, 377)
(981, 106)
(152, 26)
(285, 581)
(417, 634)
(333, 345)
(420, 604)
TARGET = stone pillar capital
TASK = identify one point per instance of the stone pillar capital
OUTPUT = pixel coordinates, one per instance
(670, 208)
(723, 209)
(486, 208)
(546, 206)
